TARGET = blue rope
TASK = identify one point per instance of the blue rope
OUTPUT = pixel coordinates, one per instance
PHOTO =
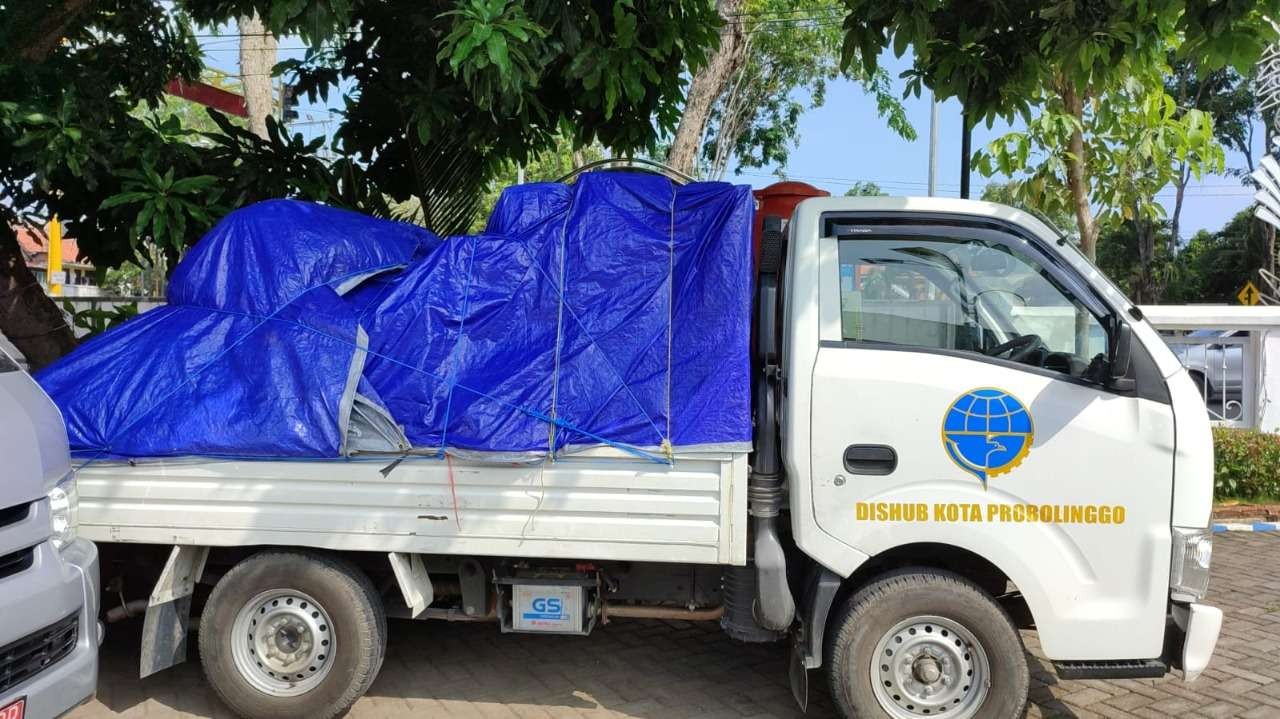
(452, 380)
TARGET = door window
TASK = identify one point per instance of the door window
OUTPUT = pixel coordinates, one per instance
(967, 295)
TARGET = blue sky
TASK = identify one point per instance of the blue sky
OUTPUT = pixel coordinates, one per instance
(845, 141)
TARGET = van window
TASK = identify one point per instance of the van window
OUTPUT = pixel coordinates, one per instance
(967, 295)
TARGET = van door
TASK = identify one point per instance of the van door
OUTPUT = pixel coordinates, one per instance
(959, 398)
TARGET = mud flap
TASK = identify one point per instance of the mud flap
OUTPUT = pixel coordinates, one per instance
(799, 676)
(164, 631)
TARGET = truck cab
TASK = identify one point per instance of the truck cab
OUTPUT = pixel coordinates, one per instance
(49, 629)
(973, 416)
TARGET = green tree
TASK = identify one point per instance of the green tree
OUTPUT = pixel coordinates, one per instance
(457, 87)
(864, 188)
(1009, 193)
(1137, 140)
(790, 51)
(443, 93)
(1069, 59)
(1213, 266)
(71, 72)
(1226, 96)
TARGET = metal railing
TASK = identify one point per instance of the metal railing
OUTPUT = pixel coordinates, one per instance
(1226, 350)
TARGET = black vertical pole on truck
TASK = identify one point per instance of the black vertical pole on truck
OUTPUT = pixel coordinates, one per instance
(966, 142)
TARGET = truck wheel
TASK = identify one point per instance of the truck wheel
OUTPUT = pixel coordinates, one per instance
(926, 643)
(291, 635)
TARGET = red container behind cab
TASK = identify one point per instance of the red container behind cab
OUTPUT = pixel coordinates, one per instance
(779, 200)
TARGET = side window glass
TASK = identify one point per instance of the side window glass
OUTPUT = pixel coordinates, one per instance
(965, 295)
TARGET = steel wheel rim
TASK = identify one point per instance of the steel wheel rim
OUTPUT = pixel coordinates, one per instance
(282, 642)
(930, 666)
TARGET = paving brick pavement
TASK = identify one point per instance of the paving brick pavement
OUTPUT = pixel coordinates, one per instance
(669, 670)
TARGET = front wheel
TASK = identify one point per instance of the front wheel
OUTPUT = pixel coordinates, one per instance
(291, 635)
(926, 643)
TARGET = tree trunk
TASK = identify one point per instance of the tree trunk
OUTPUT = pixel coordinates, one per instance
(1146, 291)
(46, 32)
(257, 57)
(28, 317)
(1179, 194)
(709, 83)
(1078, 175)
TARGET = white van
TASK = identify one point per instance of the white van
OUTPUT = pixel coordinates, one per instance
(49, 629)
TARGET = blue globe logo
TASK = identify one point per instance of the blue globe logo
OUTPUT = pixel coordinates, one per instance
(987, 432)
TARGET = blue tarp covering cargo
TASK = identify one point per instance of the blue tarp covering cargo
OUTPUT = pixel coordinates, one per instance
(613, 311)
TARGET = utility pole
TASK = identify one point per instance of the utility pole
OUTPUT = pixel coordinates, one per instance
(933, 144)
(966, 139)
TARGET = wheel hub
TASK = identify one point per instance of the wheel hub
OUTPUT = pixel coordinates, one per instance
(930, 666)
(282, 642)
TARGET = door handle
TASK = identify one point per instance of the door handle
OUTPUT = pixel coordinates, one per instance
(873, 459)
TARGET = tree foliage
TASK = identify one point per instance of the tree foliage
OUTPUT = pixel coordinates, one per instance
(1211, 267)
(1060, 65)
(444, 91)
(791, 52)
(864, 188)
(436, 98)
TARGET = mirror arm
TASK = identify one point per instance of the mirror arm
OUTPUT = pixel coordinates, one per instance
(1121, 352)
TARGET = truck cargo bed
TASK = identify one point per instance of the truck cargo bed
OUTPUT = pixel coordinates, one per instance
(601, 504)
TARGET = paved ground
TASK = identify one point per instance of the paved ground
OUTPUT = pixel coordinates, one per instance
(660, 670)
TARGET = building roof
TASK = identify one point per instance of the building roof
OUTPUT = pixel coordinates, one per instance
(35, 248)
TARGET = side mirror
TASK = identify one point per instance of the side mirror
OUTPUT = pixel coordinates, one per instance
(1121, 351)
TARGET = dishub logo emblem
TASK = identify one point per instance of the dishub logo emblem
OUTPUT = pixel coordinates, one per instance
(987, 432)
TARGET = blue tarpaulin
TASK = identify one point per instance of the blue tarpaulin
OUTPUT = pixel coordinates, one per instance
(613, 311)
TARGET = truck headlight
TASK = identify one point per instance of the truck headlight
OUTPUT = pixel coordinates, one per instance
(64, 511)
(1192, 554)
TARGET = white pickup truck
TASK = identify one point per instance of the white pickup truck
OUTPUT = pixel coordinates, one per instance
(961, 428)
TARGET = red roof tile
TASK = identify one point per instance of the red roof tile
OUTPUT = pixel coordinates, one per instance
(35, 246)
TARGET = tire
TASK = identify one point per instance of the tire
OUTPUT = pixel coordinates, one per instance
(325, 610)
(933, 611)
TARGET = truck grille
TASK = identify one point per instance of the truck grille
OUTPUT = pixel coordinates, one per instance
(14, 562)
(14, 514)
(27, 657)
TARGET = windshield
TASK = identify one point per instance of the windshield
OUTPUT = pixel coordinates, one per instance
(963, 294)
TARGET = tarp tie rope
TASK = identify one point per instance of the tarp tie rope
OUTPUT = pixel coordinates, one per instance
(671, 300)
(608, 361)
(452, 379)
(453, 491)
(555, 368)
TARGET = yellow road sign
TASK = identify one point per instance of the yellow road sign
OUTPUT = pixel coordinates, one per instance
(1249, 294)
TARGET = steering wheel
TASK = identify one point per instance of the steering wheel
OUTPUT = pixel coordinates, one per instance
(1017, 348)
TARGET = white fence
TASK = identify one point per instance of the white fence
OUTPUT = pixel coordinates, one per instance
(1233, 354)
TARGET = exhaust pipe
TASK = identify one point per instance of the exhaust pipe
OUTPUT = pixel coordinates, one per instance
(773, 608)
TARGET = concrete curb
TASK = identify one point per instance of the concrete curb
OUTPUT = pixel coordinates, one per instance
(1220, 527)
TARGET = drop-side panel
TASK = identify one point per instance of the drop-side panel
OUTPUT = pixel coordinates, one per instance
(597, 507)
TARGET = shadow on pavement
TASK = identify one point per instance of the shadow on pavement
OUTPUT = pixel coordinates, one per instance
(642, 669)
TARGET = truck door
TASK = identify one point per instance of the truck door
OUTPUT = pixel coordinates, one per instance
(959, 398)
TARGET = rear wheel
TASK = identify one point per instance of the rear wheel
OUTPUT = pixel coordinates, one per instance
(290, 635)
(926, 643)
